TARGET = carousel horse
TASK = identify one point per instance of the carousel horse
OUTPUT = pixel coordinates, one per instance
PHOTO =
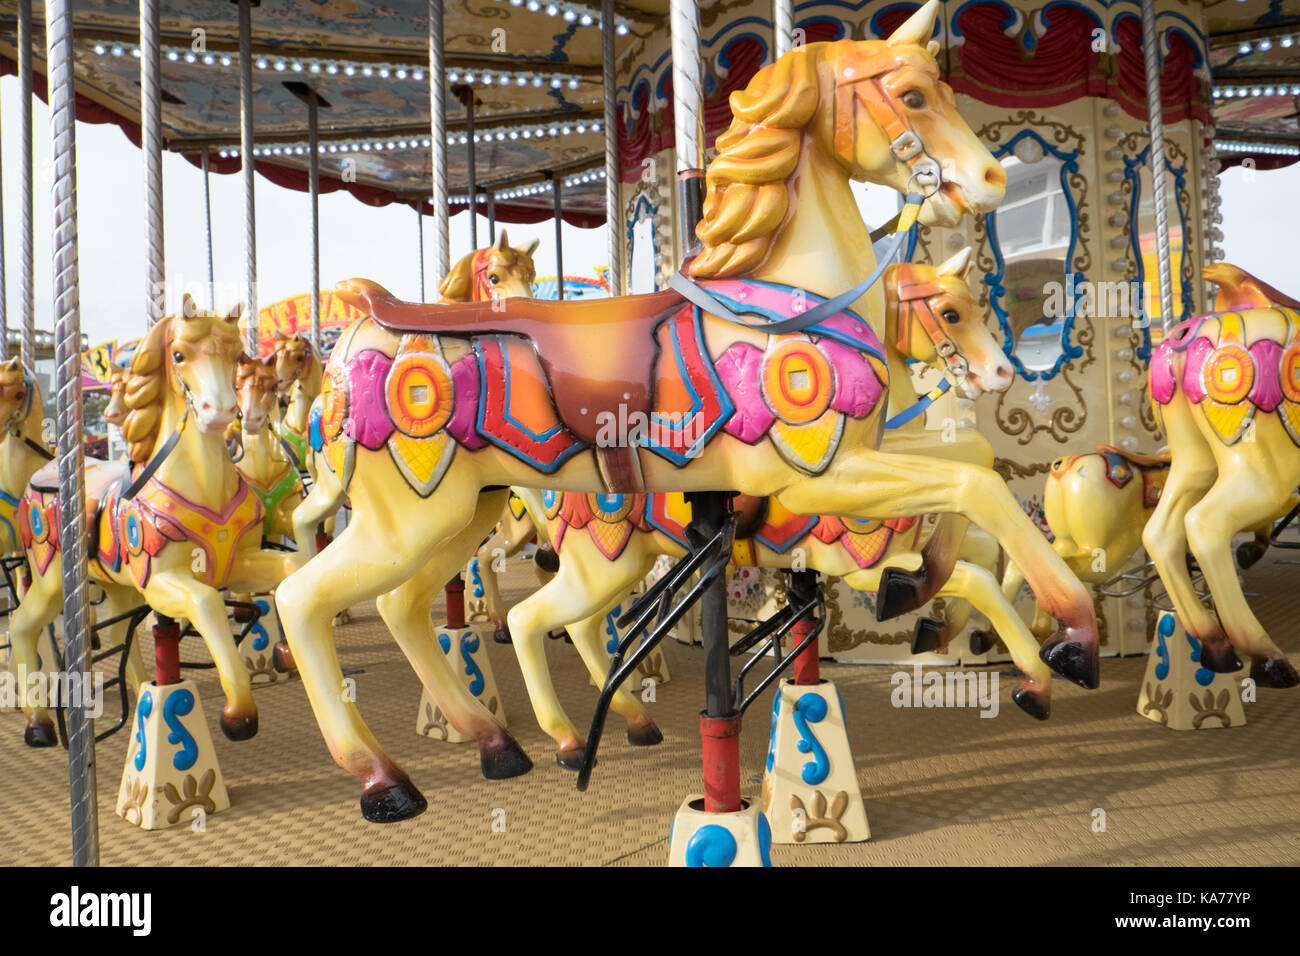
(22, 448)
(498, 271)
(298, 372)
(430, 413)
(1226, 387)
(266, 461)
(513, 532)
(115, 411)
(174, 529)
(608, 542)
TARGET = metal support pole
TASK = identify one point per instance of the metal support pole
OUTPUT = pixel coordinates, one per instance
(313, 183)
(613, 203)
(207, 230)
(1155, 123)
(466, 94)
(419, 231)
(782, 26)
(67, 377)
(557, 198)
(491, 204)
(246, 166)
(155, 266)
(688, 117)
(438, 143)
(4, 286)
(27, 288)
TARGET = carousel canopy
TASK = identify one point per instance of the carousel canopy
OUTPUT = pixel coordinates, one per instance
(533, 67)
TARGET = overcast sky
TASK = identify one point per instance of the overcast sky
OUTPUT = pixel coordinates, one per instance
(378, 243)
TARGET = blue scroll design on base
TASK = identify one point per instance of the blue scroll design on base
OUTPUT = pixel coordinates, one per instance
(469, 643)
(711, 845)
(811, 708)
(142, 711)
(178, 704)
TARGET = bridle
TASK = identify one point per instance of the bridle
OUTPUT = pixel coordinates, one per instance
(14, 425)
(914, 303)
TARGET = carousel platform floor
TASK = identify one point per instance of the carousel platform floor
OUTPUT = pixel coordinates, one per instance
(941, 786)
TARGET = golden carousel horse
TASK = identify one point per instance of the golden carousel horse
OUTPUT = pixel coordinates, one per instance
(1226, 387)
(174, 529)
(23, 449)
(608, 542)
(431, 412)
(265, 459)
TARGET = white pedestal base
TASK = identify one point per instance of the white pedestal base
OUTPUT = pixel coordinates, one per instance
(257, 649)
(719, 839)
(810, 785)
(1178, 693)
(171, 776)
(466, 650)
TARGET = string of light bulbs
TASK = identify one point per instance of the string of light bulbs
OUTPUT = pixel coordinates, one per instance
(536, 189)
(335, 67)
(1261, 89)
(535, 132)
(1271, 149)
(1264, 44)
(579, 13)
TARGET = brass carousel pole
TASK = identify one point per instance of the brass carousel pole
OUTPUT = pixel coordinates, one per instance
(67, 377)
(1155, 123)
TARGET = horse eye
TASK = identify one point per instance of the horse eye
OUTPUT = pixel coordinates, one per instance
(914, 100)
(178, 358)
(494, 278)
(952, 316)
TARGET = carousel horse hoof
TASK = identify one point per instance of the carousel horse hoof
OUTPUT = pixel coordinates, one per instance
(40, 734)
(646, 736)
(1073, 661)
(504, 760)
(1248, 553)
(546, 559)
(1220, 657)
(570, 759)
(928, 636)
(981, 642)
(900, 593)
(502, 635)
(399, 801)
(1036, 704)
(243, 615)
(1274, 671)
(282, 658)
(238, 728)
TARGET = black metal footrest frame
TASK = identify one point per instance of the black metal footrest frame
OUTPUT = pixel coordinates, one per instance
(244, 631)
(136, 617)
(1274, 537)
(709, 556)
(774, 629)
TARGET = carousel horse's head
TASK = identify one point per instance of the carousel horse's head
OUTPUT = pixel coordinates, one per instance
(500, 271)
(15, 393)
(115, 411)
(877, 108)
(257, 386)
(188, 358)
(292, 356)
(940, 324)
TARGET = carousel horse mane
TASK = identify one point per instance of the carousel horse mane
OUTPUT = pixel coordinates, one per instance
(152, 379)
(1238, 289)
(749, 183)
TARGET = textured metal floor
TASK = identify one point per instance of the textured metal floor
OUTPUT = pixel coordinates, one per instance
(940, 786)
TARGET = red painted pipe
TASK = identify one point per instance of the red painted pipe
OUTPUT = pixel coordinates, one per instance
(806, 667)
(323, 540)
(720, 739)
(167, 653)
(455, 590)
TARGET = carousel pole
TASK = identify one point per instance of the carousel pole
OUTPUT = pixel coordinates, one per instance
(491, 204)
(613, 204)
(466, 94)
(438, 143)
(1155, 123)
(557, 200)
(246, 167)
(27, 287)
(718, 825)
(782, 26)
(4, 287)
(72, 486)
(313, 184)
(207, 229)
(457, 637)
(419, 237)
(155, 267)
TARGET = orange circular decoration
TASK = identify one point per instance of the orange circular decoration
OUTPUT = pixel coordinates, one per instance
(1290, 372)
(863, 525)
(797, 381)
(1229, 374)
(420, 397)
(333, 402)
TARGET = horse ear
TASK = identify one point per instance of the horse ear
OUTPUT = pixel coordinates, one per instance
(502, 242)
(234, 314)
(932, 48)
(917, 28)
(959, 265)
(532, 247)
(188, 308)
